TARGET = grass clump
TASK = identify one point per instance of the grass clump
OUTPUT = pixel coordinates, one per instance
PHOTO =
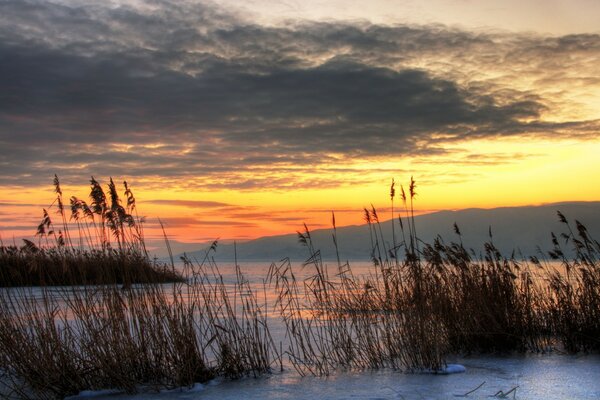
(574, 289)
(101, 242)
(422, 302)
(59, 342)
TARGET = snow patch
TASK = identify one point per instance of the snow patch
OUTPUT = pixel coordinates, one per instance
(452, 369)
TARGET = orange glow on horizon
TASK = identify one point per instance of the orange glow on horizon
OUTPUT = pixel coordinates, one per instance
(486, 174)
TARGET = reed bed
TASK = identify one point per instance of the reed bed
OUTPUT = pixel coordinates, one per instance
(56, 342)
(436, 299)
(98, 243)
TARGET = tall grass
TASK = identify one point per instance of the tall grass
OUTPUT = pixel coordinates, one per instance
(436, 299)
(55, 343)
(99, 242)
(574, 290)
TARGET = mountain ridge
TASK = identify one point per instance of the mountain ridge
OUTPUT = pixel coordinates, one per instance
(521, 229)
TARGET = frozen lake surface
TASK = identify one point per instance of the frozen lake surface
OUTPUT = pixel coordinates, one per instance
(551, 376)
(536, 377)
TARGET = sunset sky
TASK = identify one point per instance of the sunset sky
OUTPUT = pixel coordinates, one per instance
(239, 119)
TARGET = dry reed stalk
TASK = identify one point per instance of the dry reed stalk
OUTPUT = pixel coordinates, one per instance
(60, 341)
(58, 259)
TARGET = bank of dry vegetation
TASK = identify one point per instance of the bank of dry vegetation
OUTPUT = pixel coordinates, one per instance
(96, 242)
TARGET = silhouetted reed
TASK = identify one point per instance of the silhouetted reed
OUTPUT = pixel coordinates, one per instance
(422, 301)
(101, 242)
(574, 289)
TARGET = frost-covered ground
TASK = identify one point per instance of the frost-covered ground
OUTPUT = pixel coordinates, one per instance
(536, 377)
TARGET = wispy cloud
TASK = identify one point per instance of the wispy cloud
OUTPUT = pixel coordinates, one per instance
(183, 222)
(11, 204)
(27, 228)
(188, 203)
(189, 93)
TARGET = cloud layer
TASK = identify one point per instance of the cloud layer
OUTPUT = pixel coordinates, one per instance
(189, 93)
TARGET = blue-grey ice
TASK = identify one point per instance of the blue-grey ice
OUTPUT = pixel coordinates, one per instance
(548, 377)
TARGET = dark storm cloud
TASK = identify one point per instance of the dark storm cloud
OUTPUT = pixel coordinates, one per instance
(177, 90)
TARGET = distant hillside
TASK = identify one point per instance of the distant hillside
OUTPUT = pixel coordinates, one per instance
(514, 228)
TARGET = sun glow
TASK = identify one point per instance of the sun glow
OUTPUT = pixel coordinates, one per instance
(261, 117)
(481, 173)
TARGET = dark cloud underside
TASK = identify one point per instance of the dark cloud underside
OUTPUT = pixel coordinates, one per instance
(179, 90)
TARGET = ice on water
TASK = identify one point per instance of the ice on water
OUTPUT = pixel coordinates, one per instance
(549, 377)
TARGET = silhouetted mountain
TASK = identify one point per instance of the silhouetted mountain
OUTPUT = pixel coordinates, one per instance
(522, 229)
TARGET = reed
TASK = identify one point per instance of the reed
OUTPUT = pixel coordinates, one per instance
(574, 289)
(58, 342)
(100, 242)
(436, 299)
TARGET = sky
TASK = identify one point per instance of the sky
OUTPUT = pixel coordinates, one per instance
(236, 120)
